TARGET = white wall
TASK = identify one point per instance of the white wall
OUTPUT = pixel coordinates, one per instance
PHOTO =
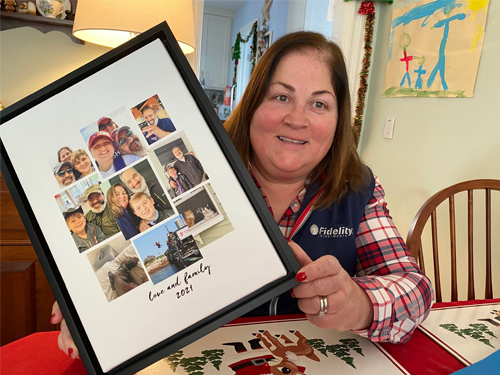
(437, 141)
(30, 60)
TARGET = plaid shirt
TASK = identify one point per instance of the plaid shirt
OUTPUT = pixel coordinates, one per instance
(401, 294)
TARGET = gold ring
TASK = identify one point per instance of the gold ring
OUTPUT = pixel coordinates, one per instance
(323, 306)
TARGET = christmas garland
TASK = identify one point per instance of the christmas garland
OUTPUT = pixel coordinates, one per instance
(367, 8)
(237, 48)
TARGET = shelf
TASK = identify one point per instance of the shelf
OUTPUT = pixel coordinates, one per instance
(44, 24)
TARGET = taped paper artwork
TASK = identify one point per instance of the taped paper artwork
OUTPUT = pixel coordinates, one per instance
(434, 49)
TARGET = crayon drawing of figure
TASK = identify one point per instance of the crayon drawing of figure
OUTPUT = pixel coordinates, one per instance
(420, 72)
(440, 66)
(404, 42)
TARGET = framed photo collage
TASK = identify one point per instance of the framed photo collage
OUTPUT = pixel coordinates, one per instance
(146, 222)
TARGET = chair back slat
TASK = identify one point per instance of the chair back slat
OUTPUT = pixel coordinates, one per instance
(421, 258)
(435, 254)
(488, 293)
(471, 294)
(428, 211)
(453, 249)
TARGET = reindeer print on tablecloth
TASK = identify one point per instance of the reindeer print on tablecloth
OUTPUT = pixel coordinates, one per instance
(265, 354)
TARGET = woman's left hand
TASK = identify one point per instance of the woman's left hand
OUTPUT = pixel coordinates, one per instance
(349, 306)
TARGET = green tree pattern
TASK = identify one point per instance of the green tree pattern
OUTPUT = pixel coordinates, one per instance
(341, 350)
(174, 359)
(214, 356)
(476, 331)
(193, 365)
(319, 345)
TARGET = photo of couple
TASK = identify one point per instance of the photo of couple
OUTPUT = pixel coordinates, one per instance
(71, 166)
(113, 142)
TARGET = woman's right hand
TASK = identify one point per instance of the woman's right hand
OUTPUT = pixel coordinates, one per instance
(65, 341)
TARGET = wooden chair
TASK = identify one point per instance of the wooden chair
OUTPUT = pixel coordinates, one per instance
(414, 241)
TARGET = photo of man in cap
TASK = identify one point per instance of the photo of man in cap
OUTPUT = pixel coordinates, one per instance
(106, 124)
(64, 174)
(127, 143)
(100, 213)
(157, 128)
(84, 234)
(102, 149)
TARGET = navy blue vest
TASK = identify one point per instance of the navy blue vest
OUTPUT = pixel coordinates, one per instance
(326, 232)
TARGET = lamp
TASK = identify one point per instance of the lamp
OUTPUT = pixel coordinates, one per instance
(113, 22)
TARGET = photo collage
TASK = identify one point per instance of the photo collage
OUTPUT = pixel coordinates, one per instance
(135, 197)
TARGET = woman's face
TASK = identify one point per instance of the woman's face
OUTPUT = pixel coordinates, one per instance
(82, 164)
(121, 196)
(65, 155)
(293, 128)
(76, 223)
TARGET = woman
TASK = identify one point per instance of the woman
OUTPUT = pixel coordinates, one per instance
(85, 235)
(64, 154)
(293, 130)
(118, 200)
(81, 163)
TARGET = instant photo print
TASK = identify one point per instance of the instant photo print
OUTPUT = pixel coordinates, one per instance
(229, 254)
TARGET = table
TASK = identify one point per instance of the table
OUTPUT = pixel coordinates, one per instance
(39, 354)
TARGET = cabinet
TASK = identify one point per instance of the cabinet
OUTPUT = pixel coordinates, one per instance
(26, 297)
(216, 51)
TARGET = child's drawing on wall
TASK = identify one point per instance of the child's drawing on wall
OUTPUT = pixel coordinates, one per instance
(447, 36)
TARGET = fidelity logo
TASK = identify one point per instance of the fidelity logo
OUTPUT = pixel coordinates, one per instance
(330, 232)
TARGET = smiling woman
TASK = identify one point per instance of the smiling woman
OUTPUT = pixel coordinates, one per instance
(118, 200)
(293, 130)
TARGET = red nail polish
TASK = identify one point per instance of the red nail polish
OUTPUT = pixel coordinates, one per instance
(52, 318)
(301, 276)
(291, 292)
(70, 353)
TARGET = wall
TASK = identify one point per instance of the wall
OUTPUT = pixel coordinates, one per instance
(31, 60)
(437, 141)
(251, 10)
(316, 14)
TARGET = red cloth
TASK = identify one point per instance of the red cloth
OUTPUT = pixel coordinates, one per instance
(38, 354)
(421, 355)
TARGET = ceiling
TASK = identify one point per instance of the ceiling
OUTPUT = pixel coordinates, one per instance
(224, 4)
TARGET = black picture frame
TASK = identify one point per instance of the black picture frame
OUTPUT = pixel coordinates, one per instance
(228, 313)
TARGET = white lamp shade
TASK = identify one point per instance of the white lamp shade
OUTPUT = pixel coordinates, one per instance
(113, 22)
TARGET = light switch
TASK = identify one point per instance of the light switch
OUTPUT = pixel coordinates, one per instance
(389, 127)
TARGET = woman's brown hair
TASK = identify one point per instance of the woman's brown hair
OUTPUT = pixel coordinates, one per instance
(118, 210)
(341, 169)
